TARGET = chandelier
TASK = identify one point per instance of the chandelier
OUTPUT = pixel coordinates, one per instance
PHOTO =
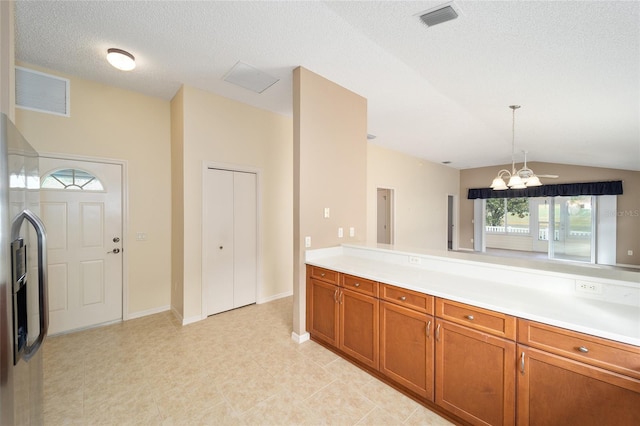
(520, 179)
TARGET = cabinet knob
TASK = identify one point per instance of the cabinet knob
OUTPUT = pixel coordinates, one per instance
(356, 285)
(403, 298)
(469, 317)
(583, 349)
(322, 274)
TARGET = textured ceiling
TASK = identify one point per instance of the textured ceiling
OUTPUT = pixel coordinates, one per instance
(440, 93)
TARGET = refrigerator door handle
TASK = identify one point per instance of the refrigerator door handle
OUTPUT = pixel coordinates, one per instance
(36, 222)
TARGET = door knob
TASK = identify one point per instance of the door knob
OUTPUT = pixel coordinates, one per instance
(116, 239)
(114, 251)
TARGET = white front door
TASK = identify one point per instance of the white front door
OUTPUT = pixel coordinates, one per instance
(229, 239)
(84, 239)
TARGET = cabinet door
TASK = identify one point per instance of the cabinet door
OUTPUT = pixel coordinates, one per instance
(554, 390)
(475, 375)
(406, 348)
(359, 327)
(323, 311)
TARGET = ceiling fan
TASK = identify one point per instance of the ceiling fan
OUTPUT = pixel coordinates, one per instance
(525, 173)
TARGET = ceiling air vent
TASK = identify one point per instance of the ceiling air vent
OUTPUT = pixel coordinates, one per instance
(251, 78)
(443, 13)
(42, 92)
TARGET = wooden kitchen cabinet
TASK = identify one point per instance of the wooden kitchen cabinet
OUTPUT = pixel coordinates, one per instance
(567, 377)
(346, 319)
(323, 315)
(406, 348)
(359, 327)
(464, 360)
(554, 390)
(475, 371)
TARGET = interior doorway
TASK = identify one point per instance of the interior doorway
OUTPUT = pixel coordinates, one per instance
(385, 216)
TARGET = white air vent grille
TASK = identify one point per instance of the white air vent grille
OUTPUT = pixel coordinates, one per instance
(42, 92)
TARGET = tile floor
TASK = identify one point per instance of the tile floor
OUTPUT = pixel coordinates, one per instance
(238, 368)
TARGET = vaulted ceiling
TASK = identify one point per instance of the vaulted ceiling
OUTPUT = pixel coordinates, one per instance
(440, 93)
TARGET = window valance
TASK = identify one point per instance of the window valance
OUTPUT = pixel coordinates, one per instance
(557, 190)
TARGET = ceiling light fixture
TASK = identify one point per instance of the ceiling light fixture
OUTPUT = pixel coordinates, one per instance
(520, 179)
(121, 59)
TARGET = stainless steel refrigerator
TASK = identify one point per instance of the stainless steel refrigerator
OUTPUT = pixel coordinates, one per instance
(24, 314)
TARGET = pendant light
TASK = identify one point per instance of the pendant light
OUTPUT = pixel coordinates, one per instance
(520, 179)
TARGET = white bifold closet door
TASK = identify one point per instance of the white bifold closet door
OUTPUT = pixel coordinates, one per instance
(230, 239)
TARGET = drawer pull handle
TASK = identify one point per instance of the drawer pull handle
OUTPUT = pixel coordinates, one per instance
(356, 285)
(403, 298)
(428, 329)
(335, 296)
(583, 349)
(322, 274)
(438, 333)
(522, 363)
(469, 317)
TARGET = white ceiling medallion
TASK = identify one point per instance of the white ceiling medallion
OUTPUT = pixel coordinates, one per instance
(248, 77)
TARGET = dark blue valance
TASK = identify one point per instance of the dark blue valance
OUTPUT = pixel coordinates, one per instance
(558, 190)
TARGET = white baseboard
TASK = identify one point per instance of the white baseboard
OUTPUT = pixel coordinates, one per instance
(275, 297)
(153, 311)
(300, 338)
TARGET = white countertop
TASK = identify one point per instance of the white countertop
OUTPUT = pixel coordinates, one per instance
(541, 295)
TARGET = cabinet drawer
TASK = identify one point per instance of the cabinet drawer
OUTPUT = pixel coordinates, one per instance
(604, 353)
(361, 285)
(411, 299)
(322, 274)
(477, 318)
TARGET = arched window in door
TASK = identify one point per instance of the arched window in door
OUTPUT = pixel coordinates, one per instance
(71, 179)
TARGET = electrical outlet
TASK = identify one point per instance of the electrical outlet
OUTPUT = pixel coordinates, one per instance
(352, 232)
(340, 232)
(327, 212)
(414, 260)
(588, 287)
(629, 252)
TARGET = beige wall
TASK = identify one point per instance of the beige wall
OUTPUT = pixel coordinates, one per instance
(628, 209)
(177, 203)
(106, 122)
(420, 195)
(330, 170)
(220, 130)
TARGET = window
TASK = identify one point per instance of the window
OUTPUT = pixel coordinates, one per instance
(507, 216)
(72, 179)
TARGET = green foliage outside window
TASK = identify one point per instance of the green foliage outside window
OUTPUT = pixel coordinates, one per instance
(497, 207)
